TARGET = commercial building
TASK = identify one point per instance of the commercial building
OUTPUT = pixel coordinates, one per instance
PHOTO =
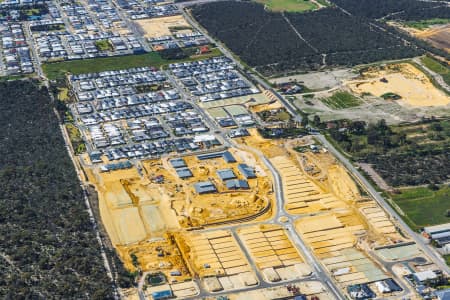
(226, 174)
(422, 277)
(443, 294)
(439, 233)
(205, 187)
(236, 184)
(247, 171)
(228, 157)
(183, 173)
(178, 163)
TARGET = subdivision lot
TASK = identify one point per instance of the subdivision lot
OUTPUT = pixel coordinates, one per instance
(422, 206)
(217, 258)
(301, 194)
(273, 252)
(332, 238)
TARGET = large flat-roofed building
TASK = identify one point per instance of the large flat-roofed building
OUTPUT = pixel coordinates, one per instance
(247, 171)
(443, 294)
(228, 157)
(205, 187)
(226, 174)
(421, 277)
(236, 184)
(439, 233)
(178, 163)
(183, 173)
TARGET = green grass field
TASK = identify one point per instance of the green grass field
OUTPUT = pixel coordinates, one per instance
(424, 207)
(437, 67)
(341, 100)
(289, 5)
(59, 69)
(424, 24)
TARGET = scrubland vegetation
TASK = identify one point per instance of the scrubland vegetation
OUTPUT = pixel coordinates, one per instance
(48, 249)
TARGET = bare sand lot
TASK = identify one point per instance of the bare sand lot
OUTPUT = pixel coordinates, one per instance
(158, 27)
(132, 208)
(405, 80)
(319, 80)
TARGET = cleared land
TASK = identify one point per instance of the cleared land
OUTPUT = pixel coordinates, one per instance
(405, 80)
(289, 5)
(342, 100)
(424, 207)
(158, 27)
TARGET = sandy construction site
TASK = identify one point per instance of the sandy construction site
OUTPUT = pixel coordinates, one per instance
(217, 258)
(336, 222)
(132, 208)
(192, 208)
(157, 27)
(405, 80)
(273, 252)
(140, 210)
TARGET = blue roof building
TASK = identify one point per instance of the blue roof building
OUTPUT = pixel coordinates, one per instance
(226, 174)
(159, 295)
(236, 184)
(178, 163)
(228, 157)
(205, 187)
(247, 171)
(443, 294)
(183, 173)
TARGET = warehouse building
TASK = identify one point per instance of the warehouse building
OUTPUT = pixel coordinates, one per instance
(178, 163)
(247, 171)
(183, 173)
(443, 294)
(205, 187)
(237, 184)
(439, 233)
(228, 157)
(226, 174)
